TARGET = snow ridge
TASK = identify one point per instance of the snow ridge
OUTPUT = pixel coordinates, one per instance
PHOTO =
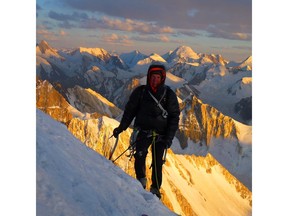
(72, 179)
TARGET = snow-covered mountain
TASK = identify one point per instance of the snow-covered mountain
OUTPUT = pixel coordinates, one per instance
(107, 74)
(66, 169)
(75, 180)
(204, 129)
(89, 101)
(94, 131)
(87, 89)
(132, 58)
(183, 54)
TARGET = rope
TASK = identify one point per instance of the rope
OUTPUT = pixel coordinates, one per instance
(154, 134)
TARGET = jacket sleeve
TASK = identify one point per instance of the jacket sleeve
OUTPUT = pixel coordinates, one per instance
(131, 108)
(173, 114)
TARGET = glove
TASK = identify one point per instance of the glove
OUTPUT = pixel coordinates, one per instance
(168, 143)
(116, 132)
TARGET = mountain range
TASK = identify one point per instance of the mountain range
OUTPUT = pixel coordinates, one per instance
(87, 88)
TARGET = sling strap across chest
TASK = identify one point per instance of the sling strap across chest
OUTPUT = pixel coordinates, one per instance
(164, 112)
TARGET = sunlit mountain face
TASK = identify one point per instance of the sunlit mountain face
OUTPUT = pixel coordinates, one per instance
(208, 170)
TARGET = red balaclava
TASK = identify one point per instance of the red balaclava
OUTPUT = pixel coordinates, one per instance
(156, 69)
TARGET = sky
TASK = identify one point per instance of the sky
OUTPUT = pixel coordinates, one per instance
(212, 26)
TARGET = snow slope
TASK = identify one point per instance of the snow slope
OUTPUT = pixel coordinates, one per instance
(75, 180)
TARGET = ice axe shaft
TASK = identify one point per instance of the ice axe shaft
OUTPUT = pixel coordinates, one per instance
(114, 147)
(164, 156)
(130, 146)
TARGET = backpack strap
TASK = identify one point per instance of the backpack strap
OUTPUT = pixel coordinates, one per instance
(164, 112)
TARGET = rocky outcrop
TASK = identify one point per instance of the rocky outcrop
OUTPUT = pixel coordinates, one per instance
(51, 102)
(202, 122)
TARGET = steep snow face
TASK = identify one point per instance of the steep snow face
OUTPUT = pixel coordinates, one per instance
(98, 52)
(87, 100)
(241, 88)
(132, 58)
(75, 180)
(223, 89)
(153, 57)
(43, 64)
(189, 181)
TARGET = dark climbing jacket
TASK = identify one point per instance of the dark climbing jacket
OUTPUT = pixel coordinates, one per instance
(148, 116)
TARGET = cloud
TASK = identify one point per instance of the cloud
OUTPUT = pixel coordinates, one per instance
(242, 48)
(221, 33)
(105, 22)
(228, 19)
(116, 39)
(63, 33)
(130, 40)
(46, 34)
(38, 7)
(66, 25)
(155, 38)
(135, 26)
(190, 33)
(127, 25)
(67, 17)
(192, 12)
(183, 14)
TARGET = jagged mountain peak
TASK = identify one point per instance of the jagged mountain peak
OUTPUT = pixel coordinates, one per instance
(183, 52)
(45, 48)
(247, 63)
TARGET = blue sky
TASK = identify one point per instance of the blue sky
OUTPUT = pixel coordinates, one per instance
(207, 26)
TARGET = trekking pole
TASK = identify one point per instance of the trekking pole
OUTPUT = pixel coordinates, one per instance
(130, 146)
(165, 153)
(114, 147)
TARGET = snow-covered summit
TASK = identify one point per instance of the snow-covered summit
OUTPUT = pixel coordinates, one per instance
(154, 57)
(44, 48)
(183, 53)
(99, 52)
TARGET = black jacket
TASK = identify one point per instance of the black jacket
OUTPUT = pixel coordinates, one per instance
(148, 116)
